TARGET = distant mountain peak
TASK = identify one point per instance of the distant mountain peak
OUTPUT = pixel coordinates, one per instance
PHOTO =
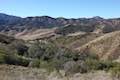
(97, 17)
(6, 15)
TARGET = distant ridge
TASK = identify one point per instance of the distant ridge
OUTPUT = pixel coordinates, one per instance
(14, 24)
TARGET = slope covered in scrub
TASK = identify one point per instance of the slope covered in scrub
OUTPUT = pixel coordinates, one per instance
(106, 46)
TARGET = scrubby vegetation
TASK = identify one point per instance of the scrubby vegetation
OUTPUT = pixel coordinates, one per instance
(74, 41)
(52, 57)
(74, 28)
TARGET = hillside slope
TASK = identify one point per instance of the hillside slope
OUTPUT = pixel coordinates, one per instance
(75, 40)
(36, 34)
(106, 46)
(10, 72)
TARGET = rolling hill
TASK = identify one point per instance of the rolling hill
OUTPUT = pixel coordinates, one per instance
(106, 46)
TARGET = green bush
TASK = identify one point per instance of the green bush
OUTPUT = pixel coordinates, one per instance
(19, 46)
(49, 66)
(115, 70)
(8, 56)
(41, 50)
(35, 63)
(2, 57)
(16, 60)
(3, 54)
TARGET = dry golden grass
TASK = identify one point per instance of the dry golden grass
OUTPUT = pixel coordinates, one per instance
(74, 41)
(10, 72)
(35, 34)
(106, 46)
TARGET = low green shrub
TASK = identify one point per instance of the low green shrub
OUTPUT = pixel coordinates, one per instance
(2, 58)
(16, 60)
(35, 63)
(115, 70)
(2, 55)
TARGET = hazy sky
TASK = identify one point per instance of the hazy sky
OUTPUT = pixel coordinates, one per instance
(61, 8)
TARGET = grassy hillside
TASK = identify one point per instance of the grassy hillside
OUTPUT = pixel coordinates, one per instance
(106, 46)
(56, 54)
(74, 41)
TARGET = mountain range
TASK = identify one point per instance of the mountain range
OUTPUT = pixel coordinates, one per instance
(8, 22)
